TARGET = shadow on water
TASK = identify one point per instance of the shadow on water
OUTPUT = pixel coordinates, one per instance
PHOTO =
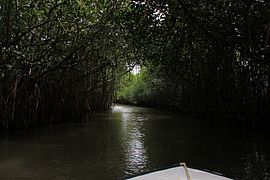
(130, 140)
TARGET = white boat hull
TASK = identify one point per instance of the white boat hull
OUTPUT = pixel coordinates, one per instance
(179, 173)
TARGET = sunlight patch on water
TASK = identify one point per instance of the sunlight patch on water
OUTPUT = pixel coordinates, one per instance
(122, 109)
(134, 149)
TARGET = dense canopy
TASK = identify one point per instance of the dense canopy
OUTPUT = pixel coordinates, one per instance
(62, 58)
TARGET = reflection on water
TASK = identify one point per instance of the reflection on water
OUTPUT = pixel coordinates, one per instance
(131, 127)
(127, 141)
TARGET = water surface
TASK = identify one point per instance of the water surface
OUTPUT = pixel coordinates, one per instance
(130, 140)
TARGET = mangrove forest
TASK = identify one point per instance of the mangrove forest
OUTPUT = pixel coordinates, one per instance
(60, 59)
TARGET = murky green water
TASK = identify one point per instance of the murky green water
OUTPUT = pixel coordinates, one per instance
(130, 140)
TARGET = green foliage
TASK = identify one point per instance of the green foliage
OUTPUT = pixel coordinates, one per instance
(213, 55)
(133, 88)
(142, 89)
(58, 59)
(199, 56)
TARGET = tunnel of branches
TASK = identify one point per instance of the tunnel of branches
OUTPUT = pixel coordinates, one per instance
(60, 59)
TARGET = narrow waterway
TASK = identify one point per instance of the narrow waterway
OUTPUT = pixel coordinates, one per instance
(130, 140)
